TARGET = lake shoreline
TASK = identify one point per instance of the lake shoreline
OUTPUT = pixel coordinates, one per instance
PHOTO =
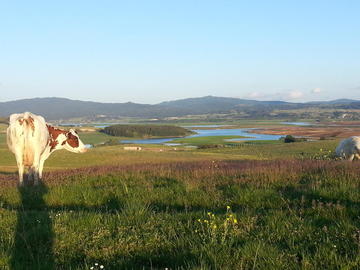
(310, 131)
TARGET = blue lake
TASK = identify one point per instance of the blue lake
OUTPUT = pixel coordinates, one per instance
(213, 132)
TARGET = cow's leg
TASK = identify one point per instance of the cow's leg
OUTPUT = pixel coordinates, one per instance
(36, 177)
(33, 175)
(43, 157)
(20, 164)
(351, 157)
(357, 153)
(30, 174)
(41, 167)
(21, 174)
(35, 170)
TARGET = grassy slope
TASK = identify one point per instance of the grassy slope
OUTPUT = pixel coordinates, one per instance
(285, 214)
(96, 137)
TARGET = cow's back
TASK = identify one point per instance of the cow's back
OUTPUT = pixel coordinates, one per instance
(27, 134)
(348, 147)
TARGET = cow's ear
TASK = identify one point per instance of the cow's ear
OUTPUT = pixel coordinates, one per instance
(73, 131)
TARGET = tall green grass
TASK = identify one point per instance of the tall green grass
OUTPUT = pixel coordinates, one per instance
(282, 214)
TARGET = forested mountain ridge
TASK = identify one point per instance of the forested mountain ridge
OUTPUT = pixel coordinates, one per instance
(54, 108)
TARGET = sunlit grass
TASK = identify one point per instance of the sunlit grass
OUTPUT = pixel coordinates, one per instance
(238, 215)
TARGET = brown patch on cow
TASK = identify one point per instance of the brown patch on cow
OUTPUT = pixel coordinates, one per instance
(72, 140)
(28, 121)
(52, 144)
(53, 135)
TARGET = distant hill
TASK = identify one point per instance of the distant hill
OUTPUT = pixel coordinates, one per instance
(210, 101)
(336, 101)
(62, 108)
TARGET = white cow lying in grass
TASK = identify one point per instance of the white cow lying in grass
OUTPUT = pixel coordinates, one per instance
(32, 141)
(349, 148)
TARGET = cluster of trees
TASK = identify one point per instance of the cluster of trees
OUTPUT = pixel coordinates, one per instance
(291, 139)
(143, 131)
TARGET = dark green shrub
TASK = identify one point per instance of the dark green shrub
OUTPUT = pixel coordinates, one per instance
(289, 139)
(209, 146)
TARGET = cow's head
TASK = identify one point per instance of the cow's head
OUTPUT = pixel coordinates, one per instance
(73, 143)
(65, 139)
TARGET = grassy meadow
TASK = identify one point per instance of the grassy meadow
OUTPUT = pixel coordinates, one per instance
(253, 205)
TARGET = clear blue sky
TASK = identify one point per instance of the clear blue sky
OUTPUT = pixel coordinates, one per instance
(151, 51)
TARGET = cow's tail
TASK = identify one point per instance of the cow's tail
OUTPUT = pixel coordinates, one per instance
(25, 131)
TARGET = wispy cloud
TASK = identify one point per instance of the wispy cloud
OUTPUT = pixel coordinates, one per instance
(316, 90)
(290, 94)
(255, 95)
(294, 94)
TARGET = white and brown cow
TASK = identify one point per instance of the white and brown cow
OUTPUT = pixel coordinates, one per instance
(32, 141)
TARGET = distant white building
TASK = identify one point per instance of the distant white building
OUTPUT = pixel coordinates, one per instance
(132, 148)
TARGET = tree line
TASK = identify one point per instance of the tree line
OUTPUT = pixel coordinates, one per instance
(144, 131)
